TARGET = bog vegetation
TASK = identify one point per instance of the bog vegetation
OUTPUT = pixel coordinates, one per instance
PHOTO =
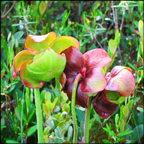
(114, 26)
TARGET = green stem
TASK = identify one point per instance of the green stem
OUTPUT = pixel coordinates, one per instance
(87, 118)
(39, 116)
(73, 107)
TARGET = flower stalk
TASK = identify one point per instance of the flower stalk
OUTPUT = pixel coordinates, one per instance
(78, 77)
(39, 116)
(87, 119)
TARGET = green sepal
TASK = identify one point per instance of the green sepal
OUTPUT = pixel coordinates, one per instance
(115, 97)
(47, 66)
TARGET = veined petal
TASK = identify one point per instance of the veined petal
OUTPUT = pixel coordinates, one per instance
(22, 58)
(103, 106)
(94, 81)
(115, 71)
(74, 61)
(81, 98)
(63, 42)
(48, 66)
(39, 43)
(123, 82)
(96, 58)
(28, 80)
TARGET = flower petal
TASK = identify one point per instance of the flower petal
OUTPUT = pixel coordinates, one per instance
(93, 82)
(63, 42)
(50, 65)
(103, 106)
(115, 71)
(39, 43)
(96, 58)
(74, 61)
(20, 59)
(81, 98)
(123, 82)
(28, 80)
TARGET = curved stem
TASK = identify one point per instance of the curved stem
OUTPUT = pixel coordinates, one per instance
(87, 118)
(73, 107)
(39, 116)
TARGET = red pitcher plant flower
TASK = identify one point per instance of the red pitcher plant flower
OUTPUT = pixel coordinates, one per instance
(120, 84)
(89, 65)
(109, 89)
(42, 61)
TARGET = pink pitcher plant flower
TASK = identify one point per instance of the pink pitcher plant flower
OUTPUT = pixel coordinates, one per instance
(89, 65)
(42, 60)
(108, 89)
(120, 83)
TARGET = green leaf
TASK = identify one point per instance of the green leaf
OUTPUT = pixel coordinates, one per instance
(117, 37)
(30, 115)
(69, 132)
(63, 132)
(11, 141)
(46, 139)
(17, 37)
(54, 103)
(137, 133)
(97, 117)
(132, 66)
(80, 115)
(124, 133)
(67, 119)
(48, 106)
(112, 44)
(42, 7)
(45, 109)
(125, 111)
(17, 113)
(140, 6)
(106, 141)
(122, 125)
(116, 121)
(58, 131)
(140, 118)
(49, 66)
(31, 130)
(61, 124)
(141, 27)
(58, 140)
(46, 130)
(140, 109)
(3, 126)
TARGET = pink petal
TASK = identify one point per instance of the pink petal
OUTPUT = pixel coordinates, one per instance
(81, 98)
(94, 81)
(96, 58)
(115, 71)
(121, 81)
(74, 60)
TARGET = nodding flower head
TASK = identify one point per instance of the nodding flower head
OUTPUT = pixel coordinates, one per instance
(89, 65)
(42, 60)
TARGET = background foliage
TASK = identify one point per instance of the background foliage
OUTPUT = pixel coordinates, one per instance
(94, 24)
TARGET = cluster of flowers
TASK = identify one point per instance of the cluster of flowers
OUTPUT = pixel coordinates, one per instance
(49, 56)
